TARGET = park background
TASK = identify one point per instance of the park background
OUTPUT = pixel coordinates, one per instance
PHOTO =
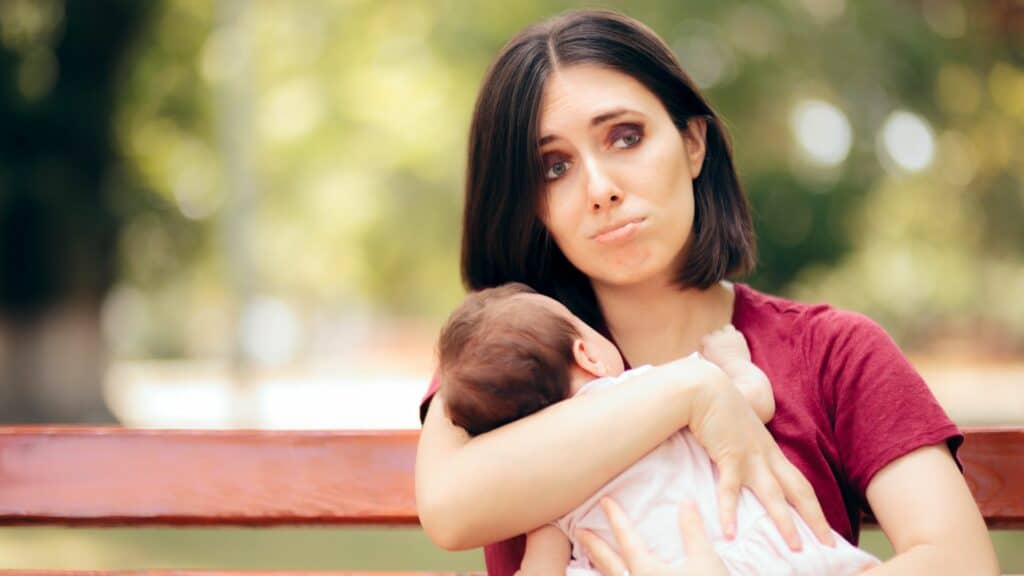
(231, 214)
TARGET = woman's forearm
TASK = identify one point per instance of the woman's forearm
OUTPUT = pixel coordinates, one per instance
(476, 491)
(931, 560)
(923, 559)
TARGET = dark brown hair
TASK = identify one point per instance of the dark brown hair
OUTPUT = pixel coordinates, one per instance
(503, 357)
(504, 239)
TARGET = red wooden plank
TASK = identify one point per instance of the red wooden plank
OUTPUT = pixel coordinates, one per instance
(110, 476)
(218, 573)
(105, 476)
(993, 462)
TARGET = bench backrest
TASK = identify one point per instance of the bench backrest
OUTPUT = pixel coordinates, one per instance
(97, 476)
(117, 476)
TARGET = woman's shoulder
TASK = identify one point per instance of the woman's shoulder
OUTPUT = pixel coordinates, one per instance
(755, 309)
(817, 333)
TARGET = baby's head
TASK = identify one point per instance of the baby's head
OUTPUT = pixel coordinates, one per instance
(507, 352)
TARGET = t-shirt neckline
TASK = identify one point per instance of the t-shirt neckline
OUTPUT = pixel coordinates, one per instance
(740, 293)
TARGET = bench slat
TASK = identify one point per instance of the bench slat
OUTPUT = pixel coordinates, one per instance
(212, 573)
(119, 476)
(993, 462)
(112, 476)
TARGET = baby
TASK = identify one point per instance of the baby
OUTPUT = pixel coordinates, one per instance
(508, 352)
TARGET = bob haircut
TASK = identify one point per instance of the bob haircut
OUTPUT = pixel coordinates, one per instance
(504, 239)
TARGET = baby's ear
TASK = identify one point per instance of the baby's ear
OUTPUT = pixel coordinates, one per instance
(586, 361)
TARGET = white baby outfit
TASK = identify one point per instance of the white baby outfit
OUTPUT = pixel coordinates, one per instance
(650, 493)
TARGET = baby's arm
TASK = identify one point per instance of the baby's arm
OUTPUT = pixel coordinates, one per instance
(547, 552)
(728, 349)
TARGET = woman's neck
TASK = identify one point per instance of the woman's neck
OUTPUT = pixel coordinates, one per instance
(658, 324)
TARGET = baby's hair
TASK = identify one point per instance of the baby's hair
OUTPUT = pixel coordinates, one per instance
(502, 357)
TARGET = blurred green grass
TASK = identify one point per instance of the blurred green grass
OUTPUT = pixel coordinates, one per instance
(296, 548)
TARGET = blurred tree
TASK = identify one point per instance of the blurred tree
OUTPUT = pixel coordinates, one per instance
(878, 143)
(360, 111)
(60, 179)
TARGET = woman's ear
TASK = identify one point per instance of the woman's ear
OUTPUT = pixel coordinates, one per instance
(695, 143)
(586, 361)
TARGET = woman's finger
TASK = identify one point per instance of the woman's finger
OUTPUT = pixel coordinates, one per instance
(601, 554)
(773, 499)
(629, 542)
(801, 495)
(728, 494)
(691, 525)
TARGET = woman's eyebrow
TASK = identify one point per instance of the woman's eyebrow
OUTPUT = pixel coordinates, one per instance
(595, 121)
(546, 139)
(611, 115)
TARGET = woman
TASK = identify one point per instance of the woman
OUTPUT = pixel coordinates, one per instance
(598, 175)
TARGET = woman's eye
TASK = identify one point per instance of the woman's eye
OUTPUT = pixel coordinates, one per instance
(556, 170)
(627, 139)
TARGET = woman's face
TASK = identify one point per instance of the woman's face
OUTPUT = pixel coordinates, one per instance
(618, 192)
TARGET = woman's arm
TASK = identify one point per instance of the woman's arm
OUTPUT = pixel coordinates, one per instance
(893, 437)
(475, 491)
(924, 507)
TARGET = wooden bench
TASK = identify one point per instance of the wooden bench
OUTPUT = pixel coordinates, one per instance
(115, 477)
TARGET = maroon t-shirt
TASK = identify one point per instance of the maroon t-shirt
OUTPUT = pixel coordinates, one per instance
(847, 403)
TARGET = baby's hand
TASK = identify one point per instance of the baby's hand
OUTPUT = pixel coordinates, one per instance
(728, 349)
(726, 346)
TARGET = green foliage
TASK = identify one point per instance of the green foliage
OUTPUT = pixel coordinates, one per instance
(350, 123)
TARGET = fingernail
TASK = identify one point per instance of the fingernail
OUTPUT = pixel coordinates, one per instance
(730, 530)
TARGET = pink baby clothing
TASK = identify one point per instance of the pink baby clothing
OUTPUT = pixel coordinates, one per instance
(651, 491)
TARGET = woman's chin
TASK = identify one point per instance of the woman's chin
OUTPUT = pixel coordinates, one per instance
(641, 275)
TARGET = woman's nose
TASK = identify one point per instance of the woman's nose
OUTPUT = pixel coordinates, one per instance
(601, 190)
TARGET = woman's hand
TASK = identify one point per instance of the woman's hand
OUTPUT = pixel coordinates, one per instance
(747, 455)
(701, 558)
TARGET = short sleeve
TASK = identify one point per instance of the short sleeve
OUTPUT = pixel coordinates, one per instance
(880, 407)
(435, 383)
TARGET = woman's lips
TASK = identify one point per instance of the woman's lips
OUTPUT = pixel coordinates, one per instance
(620, 232)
